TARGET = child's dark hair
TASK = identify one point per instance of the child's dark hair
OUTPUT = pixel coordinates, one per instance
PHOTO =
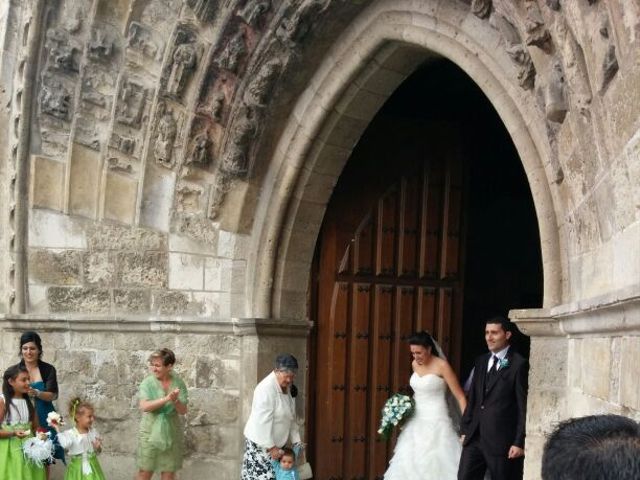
(9, 393)
(287, 452)
(76, 405)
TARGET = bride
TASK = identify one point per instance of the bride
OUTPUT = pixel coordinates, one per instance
(428, 446)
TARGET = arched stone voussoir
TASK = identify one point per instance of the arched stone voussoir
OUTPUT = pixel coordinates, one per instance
(364, 66)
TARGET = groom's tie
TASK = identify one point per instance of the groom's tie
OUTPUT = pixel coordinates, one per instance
(494, 367)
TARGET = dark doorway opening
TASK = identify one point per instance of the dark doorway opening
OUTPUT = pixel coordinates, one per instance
(503, 262)
(375, 278)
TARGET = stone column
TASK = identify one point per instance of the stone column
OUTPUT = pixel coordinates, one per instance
(546, 402)
(261, 341)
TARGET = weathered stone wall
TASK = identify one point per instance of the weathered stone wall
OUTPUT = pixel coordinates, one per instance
(104, 360)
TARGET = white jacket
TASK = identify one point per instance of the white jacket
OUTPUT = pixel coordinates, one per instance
(273, 415)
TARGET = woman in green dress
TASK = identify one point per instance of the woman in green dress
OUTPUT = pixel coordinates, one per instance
(163, 396)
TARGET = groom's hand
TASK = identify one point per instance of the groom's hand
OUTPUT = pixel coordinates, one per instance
(515, 452)
(462, 438)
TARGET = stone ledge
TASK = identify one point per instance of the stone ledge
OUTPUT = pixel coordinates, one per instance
(614, 312)
(144, 323)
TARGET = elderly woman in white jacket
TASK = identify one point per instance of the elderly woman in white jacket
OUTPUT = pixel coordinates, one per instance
(272, 423)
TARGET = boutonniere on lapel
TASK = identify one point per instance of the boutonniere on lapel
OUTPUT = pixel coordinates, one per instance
(503, 363)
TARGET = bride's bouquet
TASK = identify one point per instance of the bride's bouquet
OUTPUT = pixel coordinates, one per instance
(39, 448)
(397, 409)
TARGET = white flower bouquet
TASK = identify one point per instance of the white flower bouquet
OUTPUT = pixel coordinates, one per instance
(38, 449)
(54, 419)
(397, 409)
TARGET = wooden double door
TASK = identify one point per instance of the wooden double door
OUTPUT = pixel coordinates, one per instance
(388, 264)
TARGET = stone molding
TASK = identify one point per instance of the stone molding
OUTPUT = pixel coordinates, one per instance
(242, 327)
(614, 313)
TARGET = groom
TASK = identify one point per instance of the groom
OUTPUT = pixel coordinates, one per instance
(493, 424)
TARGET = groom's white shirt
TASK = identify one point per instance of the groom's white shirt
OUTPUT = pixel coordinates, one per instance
(501, 354)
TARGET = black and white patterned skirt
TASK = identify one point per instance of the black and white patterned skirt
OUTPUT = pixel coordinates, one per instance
(256, 464)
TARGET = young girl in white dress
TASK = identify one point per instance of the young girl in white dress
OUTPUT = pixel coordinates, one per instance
(429, 446)
(82, 443)
(17, 424)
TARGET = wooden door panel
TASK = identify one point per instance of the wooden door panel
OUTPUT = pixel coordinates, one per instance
(384, 272)
(364, 248)
(409, 231)
(387, 228)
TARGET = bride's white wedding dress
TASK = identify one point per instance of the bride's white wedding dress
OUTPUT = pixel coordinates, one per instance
(428, 446)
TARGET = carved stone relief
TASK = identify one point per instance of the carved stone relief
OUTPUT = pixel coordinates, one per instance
(294, 29)
(481, 8)
(167, 131)
(219, 189)
(188, 198)
(119, 165)
(217, 106)
(121, 143)
(61, 55)
(253, 11)
(204, 10)
(233, 52)
(182, 67)
(610, 60)
(555, 94)
(259, 89)
(100, 46)
(517, 51)
(537, 33)
(199, 152)
(574, 68)
(554, 5)
(245, 127)
(140, 40)
(131, 102)
(55, 98)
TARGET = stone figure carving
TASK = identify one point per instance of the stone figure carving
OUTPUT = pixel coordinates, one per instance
(131, 104)
(609, 66)
(167, 131)
(219, 190)
(100, 46)
(204, 10)
(62, 56)
(94, 98)
(122, 143)
(55, 99)
(218, 106)
(293, 30)
(199, 152)
(610, 61)
(537, 33)
(184, 62)
(253, 11)
(188, 198)
(574, 68)
(139, 39)
(554, 5)
(481, 8)
(119, 165)
(236, 159)
(262, 85)
(555, 94)
(230, 57)
(517, 52)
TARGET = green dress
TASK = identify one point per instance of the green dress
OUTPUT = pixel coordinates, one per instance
(160, 445)
(13, 465)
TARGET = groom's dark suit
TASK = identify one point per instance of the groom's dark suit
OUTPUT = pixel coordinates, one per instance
(494, 419)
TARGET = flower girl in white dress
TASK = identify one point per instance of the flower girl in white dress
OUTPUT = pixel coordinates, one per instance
(429, 446)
